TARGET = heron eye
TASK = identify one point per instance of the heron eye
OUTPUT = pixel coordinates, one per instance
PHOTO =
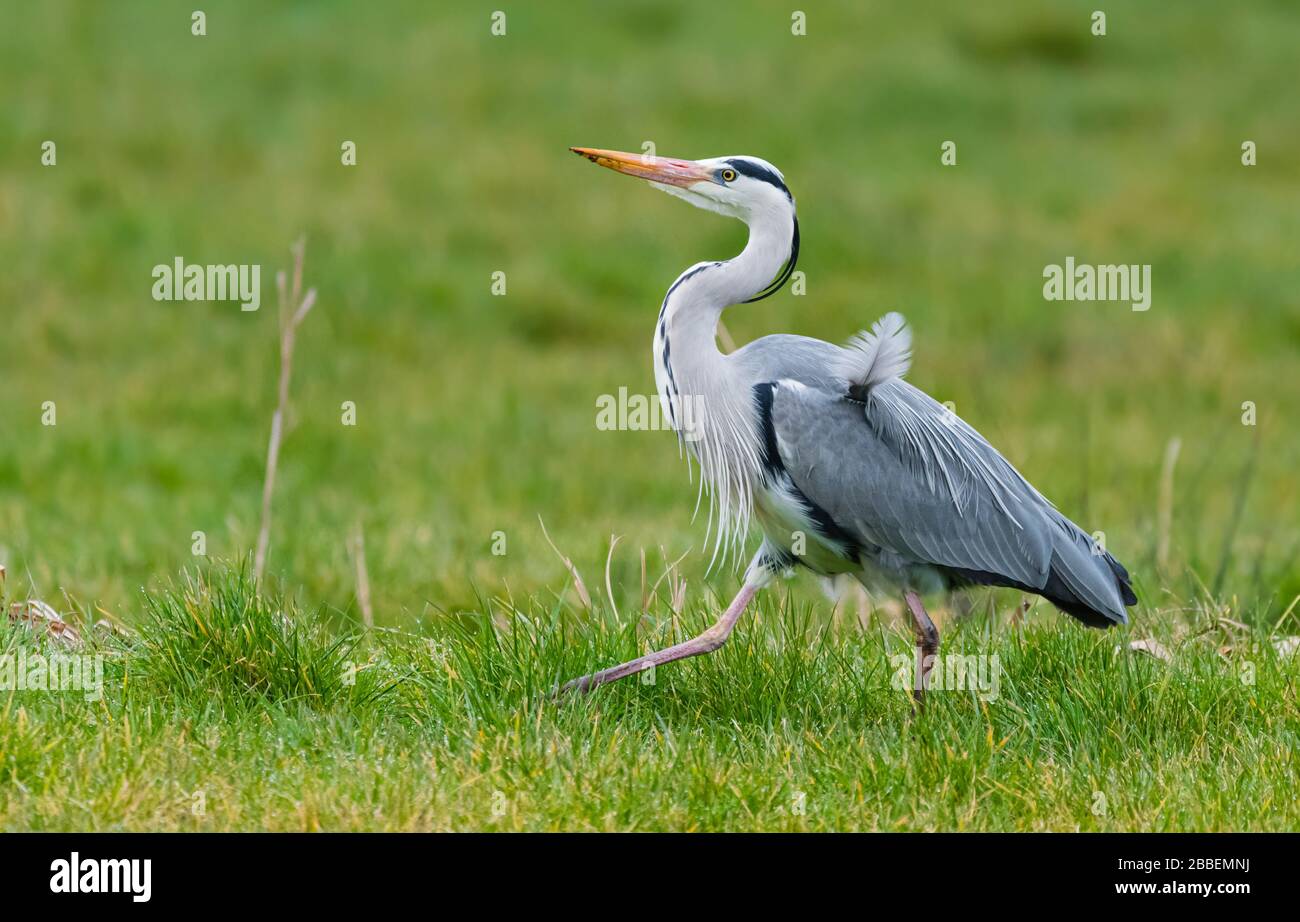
(728, 175)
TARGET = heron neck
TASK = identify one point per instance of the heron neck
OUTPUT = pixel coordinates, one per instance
(697, 299)
(709, 407)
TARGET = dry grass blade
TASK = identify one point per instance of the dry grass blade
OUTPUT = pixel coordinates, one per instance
(358, 548)
(579, 586)
(1165, 504)
(678, 601)
(670, 573)
(1286, 614)
(645, 599)
(863, 603)
(1019, 612)
(1234, 523)
(725, 338)
(609, 559)
(291, 317)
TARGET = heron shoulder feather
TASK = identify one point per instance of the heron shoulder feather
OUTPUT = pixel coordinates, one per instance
(875, 356)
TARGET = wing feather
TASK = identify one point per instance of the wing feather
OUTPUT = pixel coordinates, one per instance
(900, 471)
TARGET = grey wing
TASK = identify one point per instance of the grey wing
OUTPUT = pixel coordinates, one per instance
(901, 472)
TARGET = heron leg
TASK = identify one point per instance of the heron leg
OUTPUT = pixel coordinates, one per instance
(707, 642)
(927, 646)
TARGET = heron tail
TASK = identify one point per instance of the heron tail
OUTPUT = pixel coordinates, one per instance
(1085, 581)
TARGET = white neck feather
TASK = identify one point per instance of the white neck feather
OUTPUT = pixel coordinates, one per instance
(702, 392)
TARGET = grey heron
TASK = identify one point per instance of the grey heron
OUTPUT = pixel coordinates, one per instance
(845, 466)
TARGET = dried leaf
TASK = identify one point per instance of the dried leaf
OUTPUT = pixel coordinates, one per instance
(1153, 648)
(108, 628)
(39, 616)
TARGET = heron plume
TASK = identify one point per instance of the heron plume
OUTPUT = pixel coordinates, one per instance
(871, 358)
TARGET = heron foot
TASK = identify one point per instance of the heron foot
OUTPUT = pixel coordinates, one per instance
(706, 642)
(927, 648)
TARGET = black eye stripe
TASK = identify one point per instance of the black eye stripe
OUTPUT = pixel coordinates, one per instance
(761, 173)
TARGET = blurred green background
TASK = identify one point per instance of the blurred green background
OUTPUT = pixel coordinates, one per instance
(477, 413)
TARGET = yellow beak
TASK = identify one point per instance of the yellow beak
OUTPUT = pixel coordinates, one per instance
(655, 169)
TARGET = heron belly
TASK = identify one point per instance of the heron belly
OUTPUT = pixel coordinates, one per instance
(787, 521)
(792, 523)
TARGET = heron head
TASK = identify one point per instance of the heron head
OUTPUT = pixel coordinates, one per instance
(738, 187)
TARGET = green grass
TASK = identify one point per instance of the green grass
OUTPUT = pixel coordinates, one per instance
(476, 414)
(245, 707)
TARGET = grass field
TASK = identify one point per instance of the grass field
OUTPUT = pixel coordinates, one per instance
(476, 412)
